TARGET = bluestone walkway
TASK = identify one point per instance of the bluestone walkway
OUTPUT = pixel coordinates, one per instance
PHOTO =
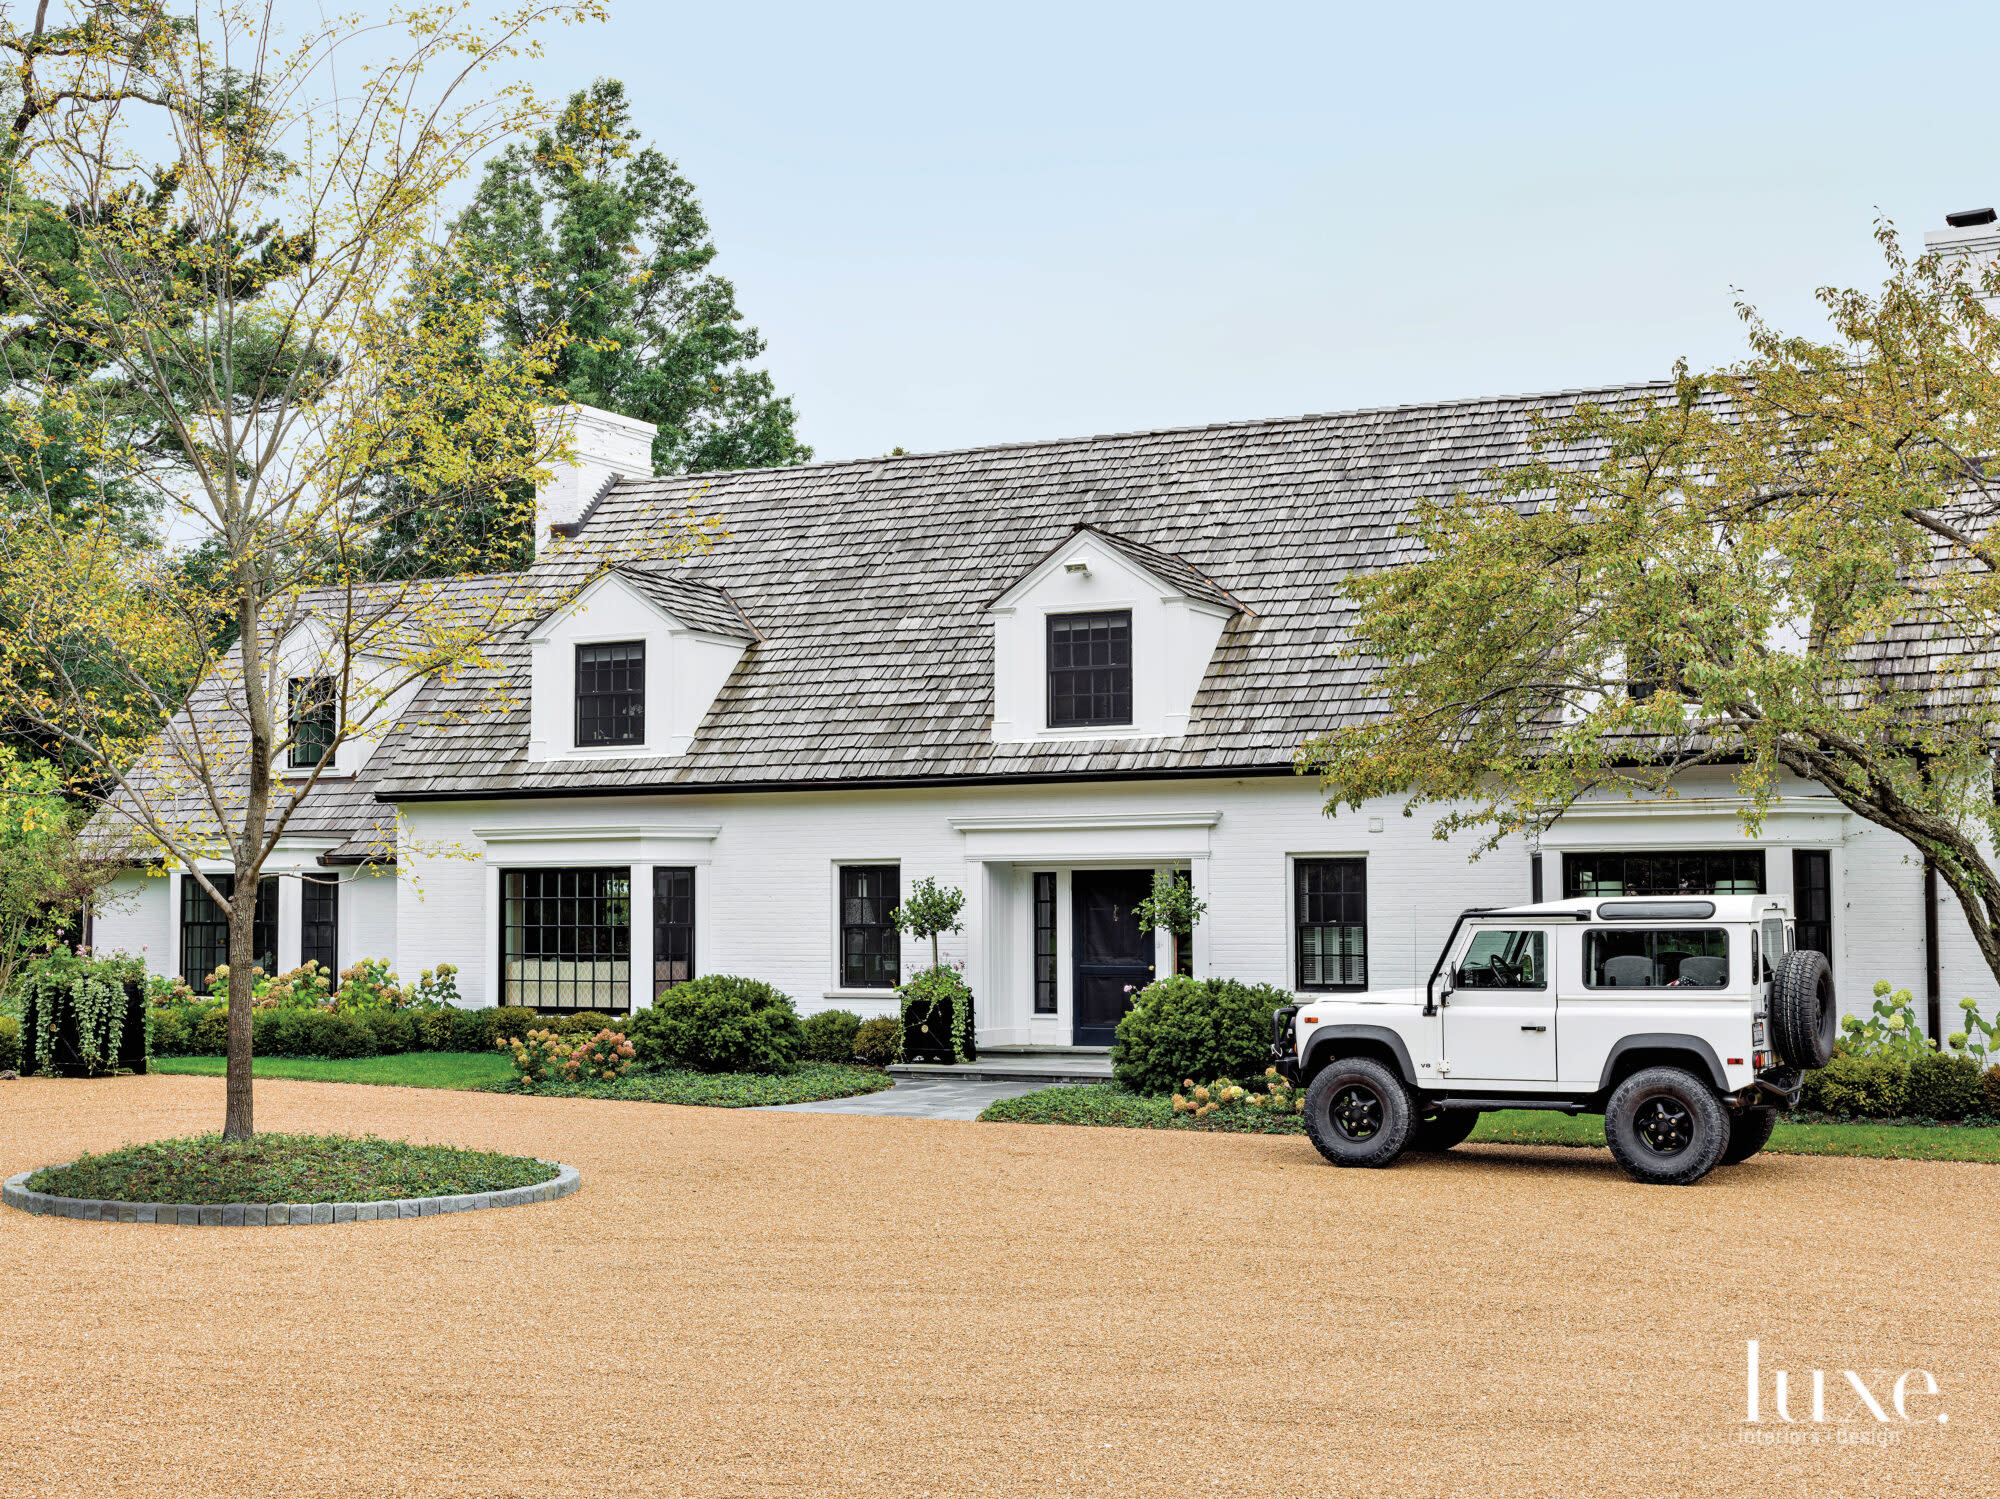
(919, 1100)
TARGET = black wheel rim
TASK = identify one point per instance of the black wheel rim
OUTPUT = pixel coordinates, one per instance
(1665, 1125)
(1356, 1112)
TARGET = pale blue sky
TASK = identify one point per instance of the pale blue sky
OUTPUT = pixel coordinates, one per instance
(960, 225)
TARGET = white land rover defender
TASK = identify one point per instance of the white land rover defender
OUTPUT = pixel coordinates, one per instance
(1686, 1022)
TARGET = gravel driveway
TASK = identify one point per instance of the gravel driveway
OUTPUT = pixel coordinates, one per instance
(775, 1302)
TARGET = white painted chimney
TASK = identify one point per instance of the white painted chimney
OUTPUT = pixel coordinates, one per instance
(1971, 237)
(605, 447)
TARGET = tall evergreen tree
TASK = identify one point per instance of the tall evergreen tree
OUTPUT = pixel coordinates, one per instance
(591, 229)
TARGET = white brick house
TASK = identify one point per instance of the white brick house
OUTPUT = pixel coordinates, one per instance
(1039, 672)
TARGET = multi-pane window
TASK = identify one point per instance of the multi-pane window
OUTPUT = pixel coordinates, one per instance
(1090, 669)
(319, 921)
(1812, 891)
(205, 928)
(673, 928)
(1330, 900)
(314, 707)
(1674, 958)
(1694, 872)
(870, 952)
(611, 693)
(1045, 944)
(566, 938)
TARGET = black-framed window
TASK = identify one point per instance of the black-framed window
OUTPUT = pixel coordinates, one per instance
(1090, 669)
(313, 706)
(1330, 900)
(673, 928)
(205, 928)
(871, 954)
(566, 938)
(319, 922)
(611, 693)
(1728, 871)
(1812, 893)
(1045, 944)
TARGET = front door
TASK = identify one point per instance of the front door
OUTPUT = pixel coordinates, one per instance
(1500, 1018)
(1114, 954)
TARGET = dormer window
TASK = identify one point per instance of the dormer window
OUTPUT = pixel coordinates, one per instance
(611, 693)
(1090, 669)
(313, 704)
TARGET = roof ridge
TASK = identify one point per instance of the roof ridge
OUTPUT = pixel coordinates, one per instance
(1240, 425)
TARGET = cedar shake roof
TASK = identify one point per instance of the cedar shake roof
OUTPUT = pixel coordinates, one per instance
(868, 580)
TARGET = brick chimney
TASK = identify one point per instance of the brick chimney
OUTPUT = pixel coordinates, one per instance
(605, 447)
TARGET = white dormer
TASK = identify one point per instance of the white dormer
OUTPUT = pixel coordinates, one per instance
(380, 688)
(631, 667)
(1103, 639)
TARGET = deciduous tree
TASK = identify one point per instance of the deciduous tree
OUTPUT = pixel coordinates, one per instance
(1786, 568)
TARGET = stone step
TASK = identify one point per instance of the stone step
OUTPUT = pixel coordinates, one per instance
(1012, 1067)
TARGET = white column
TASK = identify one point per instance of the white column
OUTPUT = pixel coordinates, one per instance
(173, 959)
(493, 958)
(291, 913)
(642, 936)
(1198, 877)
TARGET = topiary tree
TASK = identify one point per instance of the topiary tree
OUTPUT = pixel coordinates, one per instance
(932, 908)
(719, 1024)
(1172, 907)
(1180, 1028)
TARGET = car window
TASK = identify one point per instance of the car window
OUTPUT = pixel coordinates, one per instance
(1505, 960)
(1672, 959)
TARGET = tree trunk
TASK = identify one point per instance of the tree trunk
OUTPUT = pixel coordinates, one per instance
(237, 1123)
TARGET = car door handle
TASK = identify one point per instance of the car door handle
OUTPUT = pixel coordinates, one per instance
(1534, 1027)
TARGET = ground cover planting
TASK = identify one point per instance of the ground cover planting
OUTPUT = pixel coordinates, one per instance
(207, 1169)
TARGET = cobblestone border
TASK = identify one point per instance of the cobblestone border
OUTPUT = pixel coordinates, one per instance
(279, 1214)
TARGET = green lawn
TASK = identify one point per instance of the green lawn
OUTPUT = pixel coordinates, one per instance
(490, 1071)
(1106, 1104)
(410, 1069)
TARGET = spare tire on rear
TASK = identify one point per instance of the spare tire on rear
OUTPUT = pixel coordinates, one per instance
(1804, 1018)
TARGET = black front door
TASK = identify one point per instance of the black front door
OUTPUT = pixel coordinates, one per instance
(1114, 955)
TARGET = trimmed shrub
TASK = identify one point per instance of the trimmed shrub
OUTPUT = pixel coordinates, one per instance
(1944, 1087)
(265, 1025)
(1181, 1028)
(1989, 1089)
(879, 1041)
(394, 1031)
(509, 1023)
(1875, 1087)
(583, 1022)
(718, 1024)
(170, 1032)
(10, 1044)
(829, 1035)
(317, 1033)
(209, 1034)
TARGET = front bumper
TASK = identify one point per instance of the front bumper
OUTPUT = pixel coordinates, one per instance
(1284, 1045)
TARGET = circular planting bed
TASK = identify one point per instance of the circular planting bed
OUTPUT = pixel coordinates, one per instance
(273, 1181)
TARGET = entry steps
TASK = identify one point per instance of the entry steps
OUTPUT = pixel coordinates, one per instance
(1017, 1064)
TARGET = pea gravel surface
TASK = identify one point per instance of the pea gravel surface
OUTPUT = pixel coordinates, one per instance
(782, 1303)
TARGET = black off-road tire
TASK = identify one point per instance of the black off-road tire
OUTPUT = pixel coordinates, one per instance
(1749, 1132)
(1804, 1018)
(1442, 1130)
(1358, 1113)
(1666, 1127)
